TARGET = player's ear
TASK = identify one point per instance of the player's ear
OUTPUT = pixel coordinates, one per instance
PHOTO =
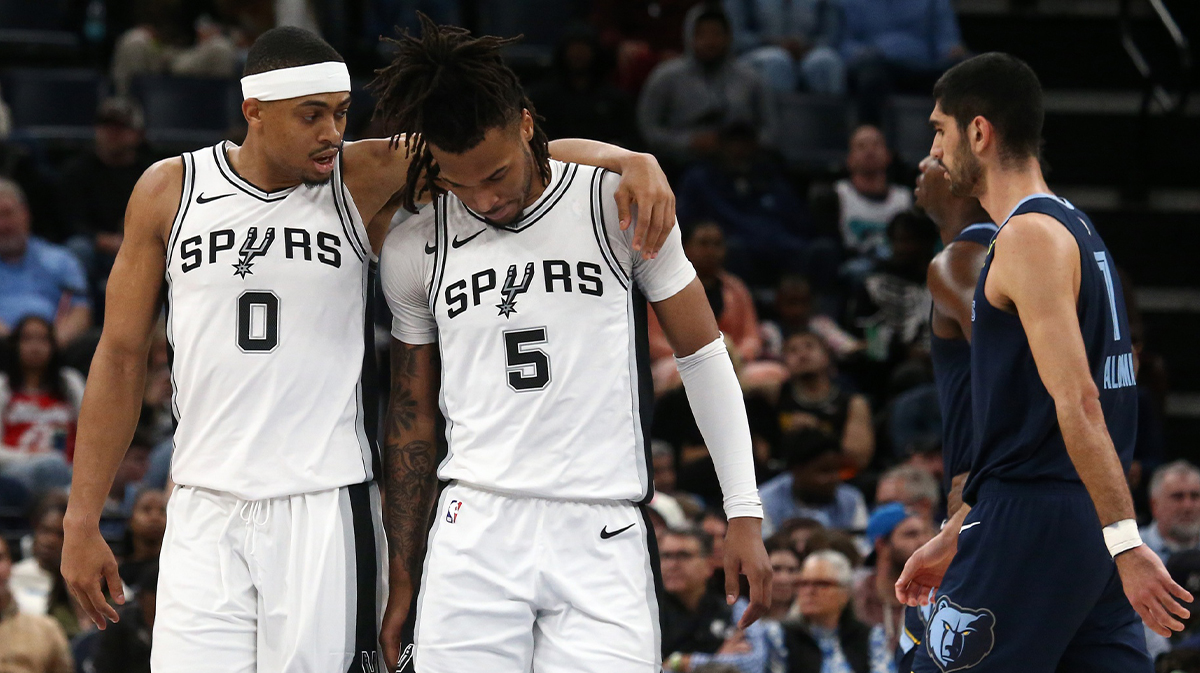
(526, 125)
(252, 110)
(980, 134)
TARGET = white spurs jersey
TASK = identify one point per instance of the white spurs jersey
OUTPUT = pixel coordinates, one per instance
(541, 327)
(267, 296)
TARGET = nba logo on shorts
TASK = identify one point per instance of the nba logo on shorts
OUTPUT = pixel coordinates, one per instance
(452, 511)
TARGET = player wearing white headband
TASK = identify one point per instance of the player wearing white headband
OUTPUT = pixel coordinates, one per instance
(271, 560)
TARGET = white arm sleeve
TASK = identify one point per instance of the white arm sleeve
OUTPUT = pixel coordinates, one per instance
(659, 278)
(716, 400)
(405, 270)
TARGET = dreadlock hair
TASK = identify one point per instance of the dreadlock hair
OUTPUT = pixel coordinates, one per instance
(449, 88)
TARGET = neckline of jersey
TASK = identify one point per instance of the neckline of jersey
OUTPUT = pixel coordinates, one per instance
(236, 179)
(1031, 197)
(535, 210)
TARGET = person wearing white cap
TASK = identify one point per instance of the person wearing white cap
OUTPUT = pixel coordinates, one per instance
(271, 559)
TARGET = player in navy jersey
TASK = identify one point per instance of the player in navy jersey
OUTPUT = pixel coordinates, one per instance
(1041, 570)
(966, 231)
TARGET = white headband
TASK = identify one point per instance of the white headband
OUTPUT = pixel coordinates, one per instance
(303, 80)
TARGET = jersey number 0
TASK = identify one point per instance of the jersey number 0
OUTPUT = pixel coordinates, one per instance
(258, 322)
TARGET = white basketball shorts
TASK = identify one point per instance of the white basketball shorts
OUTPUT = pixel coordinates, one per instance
(515, 584)
(286, 585)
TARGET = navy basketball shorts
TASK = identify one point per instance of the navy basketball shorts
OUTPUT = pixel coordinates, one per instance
(1032, 589)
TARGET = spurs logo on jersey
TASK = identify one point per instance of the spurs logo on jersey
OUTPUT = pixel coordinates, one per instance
(267, 296)
(541, 327)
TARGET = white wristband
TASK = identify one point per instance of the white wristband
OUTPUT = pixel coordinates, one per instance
(1121, 536)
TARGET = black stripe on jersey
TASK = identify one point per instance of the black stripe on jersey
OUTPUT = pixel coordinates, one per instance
(441, 221)
(231, 175)
(368, 382)
(185, 200)
(645, 386)
(556, 193)
(601, 231)
(342, 204)
(365, 655)
(655, 571)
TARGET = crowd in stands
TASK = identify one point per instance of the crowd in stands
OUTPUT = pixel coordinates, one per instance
(817, 280)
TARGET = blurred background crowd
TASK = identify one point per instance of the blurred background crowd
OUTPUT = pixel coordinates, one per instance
(791, 131)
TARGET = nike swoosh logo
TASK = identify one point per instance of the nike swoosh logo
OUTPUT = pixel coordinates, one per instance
(201, 199)
(975, 523)
(430, 248)
(604, 534)
(458, 244)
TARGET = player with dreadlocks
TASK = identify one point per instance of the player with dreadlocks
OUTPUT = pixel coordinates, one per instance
(519, 309)
(266, 250)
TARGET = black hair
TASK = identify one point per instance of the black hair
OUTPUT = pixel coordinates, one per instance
(450, 88)
(694, 228)
(1002, 89)
(288, 47)
(804, 447)
(52, 380)
(696, 533)
(918, 224)
(713, 12)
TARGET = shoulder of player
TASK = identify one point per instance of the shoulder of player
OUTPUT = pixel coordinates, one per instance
(1037, 237)
(154, 202)
(373, 153)
(411, 237)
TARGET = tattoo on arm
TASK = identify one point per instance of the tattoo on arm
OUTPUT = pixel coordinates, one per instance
(410, 452)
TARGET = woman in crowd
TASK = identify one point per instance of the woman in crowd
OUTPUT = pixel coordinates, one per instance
(144, 535)
(39, 408)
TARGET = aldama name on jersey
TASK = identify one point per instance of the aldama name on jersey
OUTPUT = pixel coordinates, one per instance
(1118, 372)
(558, 276)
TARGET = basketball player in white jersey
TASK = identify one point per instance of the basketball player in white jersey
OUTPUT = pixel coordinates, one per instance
(271, 556)
(521, 285)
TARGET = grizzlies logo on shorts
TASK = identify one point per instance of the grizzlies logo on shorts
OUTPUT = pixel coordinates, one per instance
(959, 638)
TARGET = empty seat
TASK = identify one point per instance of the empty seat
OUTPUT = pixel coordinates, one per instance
(52, 102)
(185, 110)
(813, 131)
(906, 125)
(31, 14)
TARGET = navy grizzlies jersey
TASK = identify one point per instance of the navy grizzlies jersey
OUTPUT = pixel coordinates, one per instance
(1016, 428)
(952, 375)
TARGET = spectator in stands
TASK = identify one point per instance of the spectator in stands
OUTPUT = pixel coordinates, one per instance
(760, 648)
(693, 619)
(892, 306)
(130, 472)
(749, 195)
(728, 296)
(36, 276)
(893, 534)
(1175, 505)
(812, 487)
(385, 17)
(792, 43)
(675, 506)
(897, 46)
(29, 643)
(641, 33)
(830, 638)
(144, 535)
(796, 533)
(794, 313)
(688, 99)
(577, 99)
(124, 647)
(912, 488)
(33, 578)
(866, 200)
(811, 399)
(39, 408)
(17, 164)
(96, 185)
(160, 44)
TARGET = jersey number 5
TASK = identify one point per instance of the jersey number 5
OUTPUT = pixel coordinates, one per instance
(258, 322)
(527, 368)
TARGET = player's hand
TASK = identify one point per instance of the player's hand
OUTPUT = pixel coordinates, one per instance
(86, 561)
(400, 592)
(1151, 590)
(746, 555)
(643, 184)
(925, 569)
